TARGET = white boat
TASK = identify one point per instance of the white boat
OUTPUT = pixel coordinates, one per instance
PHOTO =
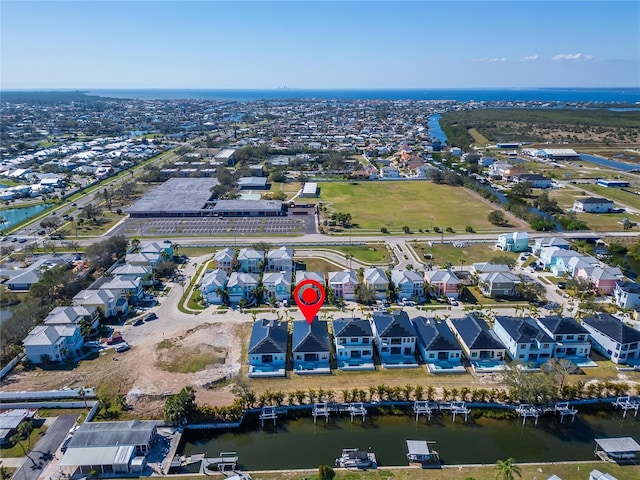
(355, 458)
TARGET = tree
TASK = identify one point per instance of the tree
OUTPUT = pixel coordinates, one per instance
(530, 291)
(503, 260)
(522, 189)
(179, 408)
(325, 472)
(104, 253)
(507, 468)
(527, 386)
(496, 217)
(24, 430)
(91, 213)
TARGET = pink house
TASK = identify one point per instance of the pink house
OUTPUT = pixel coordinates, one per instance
(443, 282)
(344, 284)
(604, 279)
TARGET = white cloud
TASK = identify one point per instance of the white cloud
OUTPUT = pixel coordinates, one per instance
(571, 56)
(530, 58)
(490, 59)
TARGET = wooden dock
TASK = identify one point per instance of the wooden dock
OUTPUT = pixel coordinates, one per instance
(422, 407)
(225, 461)
(173, 448)
(269, 413)
(321, 409)
(357, 409)
(456, 408)
(527, 411)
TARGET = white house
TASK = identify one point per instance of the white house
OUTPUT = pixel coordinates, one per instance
(302, 275)
(105, 300)
(74, 315)
(389, 172)
(525, 340)
(353, 341)
(627, 295)
(395, 338)
(280, 260)
(267, 352)
(571, 339)
(593, 205)
(213, 285)
(613, 339)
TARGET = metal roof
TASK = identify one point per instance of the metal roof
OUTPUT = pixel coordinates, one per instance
(418, 447)
(617, 445)
(97, 456)
(106, 434)
(176, 195)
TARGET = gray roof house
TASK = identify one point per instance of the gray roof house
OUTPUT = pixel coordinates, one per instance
(280, 260)
(353, 341)
(439, 348)
(481, 346)
(311, 347)
(377, 279)
(613, 338)
(395, 338)
(267, 352)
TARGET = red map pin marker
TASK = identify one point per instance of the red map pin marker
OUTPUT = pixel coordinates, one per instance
(309, 295)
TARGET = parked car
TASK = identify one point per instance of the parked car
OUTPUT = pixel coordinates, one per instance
(92, 344)
(22, 240)
(138, 322)
(115, 338)
(150, 316)
(122, 348)
(562, 285)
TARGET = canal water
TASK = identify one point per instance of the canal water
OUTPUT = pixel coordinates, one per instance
(435, 130)
(13, 216)
(301, 444)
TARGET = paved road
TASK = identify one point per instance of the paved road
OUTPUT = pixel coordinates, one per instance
(46, 448)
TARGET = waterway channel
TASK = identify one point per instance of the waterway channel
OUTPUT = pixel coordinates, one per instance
(298, 443)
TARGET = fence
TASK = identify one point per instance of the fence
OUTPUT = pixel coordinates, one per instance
(9, 366)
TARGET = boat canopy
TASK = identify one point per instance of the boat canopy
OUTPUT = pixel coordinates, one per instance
(418, 448)
(617, 445)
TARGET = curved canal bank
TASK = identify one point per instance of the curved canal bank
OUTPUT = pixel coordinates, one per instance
(297, 443)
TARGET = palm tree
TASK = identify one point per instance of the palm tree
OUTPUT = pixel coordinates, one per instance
(83, 394)
(24, 430)
(507, 468)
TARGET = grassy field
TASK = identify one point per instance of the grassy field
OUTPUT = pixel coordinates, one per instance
(470, 253)
(569, 471)
(16, 450)
(418, 205)
(615, 194)
(319, 265)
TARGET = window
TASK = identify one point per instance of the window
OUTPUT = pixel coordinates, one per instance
(474, 354)
(545, 345)
(570, 337)
(581, 338)
(365, 340)
(521, 356)
(353, 339)
(366, 352)
(342, 340)
(431, 355)
(523, 346)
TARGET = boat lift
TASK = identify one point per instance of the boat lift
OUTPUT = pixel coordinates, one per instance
(563, 409)
(627, 403)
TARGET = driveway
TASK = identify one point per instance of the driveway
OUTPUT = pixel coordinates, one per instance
(45, 449)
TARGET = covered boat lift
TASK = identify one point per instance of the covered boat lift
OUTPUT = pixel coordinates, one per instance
(617, 449)
(419, 452)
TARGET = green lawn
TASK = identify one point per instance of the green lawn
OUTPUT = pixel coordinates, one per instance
(615, 194)
(319, 265)
(418, 205)
(369, 253)
(470, 253)
(16, 450)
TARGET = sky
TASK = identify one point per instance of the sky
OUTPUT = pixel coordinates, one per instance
(318, 44)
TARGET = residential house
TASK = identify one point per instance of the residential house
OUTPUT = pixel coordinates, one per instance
(353, 341)
(549, 257)
(143, 272)
(107, 301)
(498, 284)
(24, 278)
(389, 172)
(74, 315)
(250, 260)
(127, 287)
(443, 283)
(10, 420)
(149, 259)
(500, 169)
(277, 285)
(395, 338)
(344, 284)
(409, 284)
(593, 205)
(604, 279)
(439, 348)
(53, 343)
(311, 347)
(613, 339)
(481, 346)
(376, 279)
(513, 242)
(525, 340)
(540, 243)
(571, 339)
(242, 286)
(163, 249)
(536, 180)
(268, 348)
(627, 295)
(223, 259)
(213, 285)
(486, 267)
(302, 275)
(280, 260)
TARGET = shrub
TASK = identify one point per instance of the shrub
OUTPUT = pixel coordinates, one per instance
(468, 229)
(384, 230)
(325, 472)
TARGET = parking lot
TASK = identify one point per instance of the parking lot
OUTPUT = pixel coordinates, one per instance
(217, 226)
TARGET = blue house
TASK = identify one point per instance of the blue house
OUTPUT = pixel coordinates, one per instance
(438, 346)
(353, 340)
(395, 339)
(311, 347)
(513, 242)
(277, 285)
(213, 285)
(267, 352)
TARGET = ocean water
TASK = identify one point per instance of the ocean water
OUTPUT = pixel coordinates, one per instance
(604, 95)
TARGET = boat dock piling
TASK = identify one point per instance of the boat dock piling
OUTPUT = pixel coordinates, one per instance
(357, 408)
(627, 403)
(422, 407)
(321, 409)
(456, 408)
(563, 409)
(526, 411)
(269, 413)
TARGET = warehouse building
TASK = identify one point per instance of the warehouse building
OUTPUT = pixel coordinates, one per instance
(177, 197)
